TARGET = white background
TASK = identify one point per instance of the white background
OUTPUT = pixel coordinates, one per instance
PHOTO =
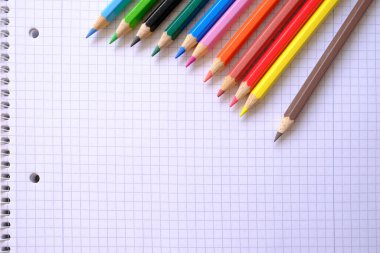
(136, 154)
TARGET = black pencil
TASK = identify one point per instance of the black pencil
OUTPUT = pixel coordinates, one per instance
(154, 20)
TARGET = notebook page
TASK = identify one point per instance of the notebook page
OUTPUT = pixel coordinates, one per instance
(136, 154)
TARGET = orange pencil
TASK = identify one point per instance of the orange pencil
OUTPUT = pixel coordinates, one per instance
(241, 36)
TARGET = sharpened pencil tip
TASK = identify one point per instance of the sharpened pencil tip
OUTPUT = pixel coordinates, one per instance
(156, 50)
(208, 76)
(190, 61)
(114, 38)
(243, 111)
(278, 135)
(180, 52)
(91, 32)
(135, 41)
(220, 92)
(234, 101)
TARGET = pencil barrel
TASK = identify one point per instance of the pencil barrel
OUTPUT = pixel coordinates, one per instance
(160, 13)
(185, 17)
(327, 59)
(258, 46)
(294, 48)
(138, 12)
(114, 9)
(210, 18)
(246, 30)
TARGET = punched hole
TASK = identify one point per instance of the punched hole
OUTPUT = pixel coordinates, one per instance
(34, 178)
(34, 33)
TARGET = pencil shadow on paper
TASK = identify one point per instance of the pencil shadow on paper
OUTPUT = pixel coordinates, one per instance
(99, 37)
(124, 42)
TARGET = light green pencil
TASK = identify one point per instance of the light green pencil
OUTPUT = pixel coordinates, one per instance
(133, 17)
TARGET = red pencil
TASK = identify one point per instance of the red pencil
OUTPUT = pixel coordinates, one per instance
(245, 63)
(275, 50)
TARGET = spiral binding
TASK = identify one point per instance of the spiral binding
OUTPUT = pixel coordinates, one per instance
(5, 128)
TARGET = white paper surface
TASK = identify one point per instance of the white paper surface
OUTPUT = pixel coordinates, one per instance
(136, 154)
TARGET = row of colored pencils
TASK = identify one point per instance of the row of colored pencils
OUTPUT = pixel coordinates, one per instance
(266, 57)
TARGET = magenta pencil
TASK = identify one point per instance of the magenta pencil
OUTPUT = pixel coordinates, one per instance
(219, 29)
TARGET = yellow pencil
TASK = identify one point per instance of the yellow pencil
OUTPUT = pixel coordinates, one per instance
(289, 53)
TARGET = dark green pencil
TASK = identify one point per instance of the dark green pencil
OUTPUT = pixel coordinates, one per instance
(179, 23)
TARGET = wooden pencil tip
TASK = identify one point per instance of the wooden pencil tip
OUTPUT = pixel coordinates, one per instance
(156, 50)
(135, 41)
(91, 32)
(190, 61)
(243, 111)
(208, 76)
(234, 101)
(180, 52)
(278, 135)
(220, 92)
(114, 38)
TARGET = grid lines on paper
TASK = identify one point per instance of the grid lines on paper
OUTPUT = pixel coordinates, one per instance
(136, 154)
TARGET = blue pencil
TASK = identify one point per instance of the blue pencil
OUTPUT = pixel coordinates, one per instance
(108, 15)
(204, 25)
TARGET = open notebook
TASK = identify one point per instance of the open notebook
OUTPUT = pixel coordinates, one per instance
(135, 154)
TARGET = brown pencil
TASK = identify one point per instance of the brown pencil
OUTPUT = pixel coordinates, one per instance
(322, 66)
(241, 68)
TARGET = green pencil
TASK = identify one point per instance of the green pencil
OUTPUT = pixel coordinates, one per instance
(132, 18)
(179, 23)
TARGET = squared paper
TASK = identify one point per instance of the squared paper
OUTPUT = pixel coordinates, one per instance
(136, 154)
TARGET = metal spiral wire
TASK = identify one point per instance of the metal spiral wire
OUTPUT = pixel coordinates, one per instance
(5, 128)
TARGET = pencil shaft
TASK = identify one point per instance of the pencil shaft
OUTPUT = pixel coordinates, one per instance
(160, 13)
(263, 40)
(246, 30)
(210, 18)
(185, 17)
(138, 12)
(327, 58)
(225, 22)
(219, 29)
(293, 48)
(278, 46)
(114, 9)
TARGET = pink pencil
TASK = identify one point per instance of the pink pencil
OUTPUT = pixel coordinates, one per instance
(218, 30)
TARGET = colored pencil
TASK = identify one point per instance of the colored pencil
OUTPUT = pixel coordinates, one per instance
(179, 23)
(289, 53)
(322, 66)
(204, 25)
(238, 72)
(108, 15)
(132, 18)
(241, 36)
(276, 48)
(153, 21)
(219, 29)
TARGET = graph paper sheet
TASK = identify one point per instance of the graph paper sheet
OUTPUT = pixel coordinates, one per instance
(136, 154)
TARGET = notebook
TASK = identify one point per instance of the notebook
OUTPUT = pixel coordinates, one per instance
(111, 150)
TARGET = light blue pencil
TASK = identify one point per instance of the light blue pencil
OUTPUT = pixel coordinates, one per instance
(204, 25)
(108, 15)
